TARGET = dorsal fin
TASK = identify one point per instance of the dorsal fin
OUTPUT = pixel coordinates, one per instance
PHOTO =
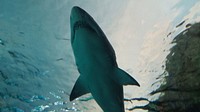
(124, 78)
(79, 89)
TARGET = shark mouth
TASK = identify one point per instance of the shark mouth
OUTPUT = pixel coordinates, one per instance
(78, 25)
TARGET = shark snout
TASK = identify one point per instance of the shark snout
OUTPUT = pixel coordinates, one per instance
(77, 14)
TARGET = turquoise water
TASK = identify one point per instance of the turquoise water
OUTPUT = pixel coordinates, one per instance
(37, 68)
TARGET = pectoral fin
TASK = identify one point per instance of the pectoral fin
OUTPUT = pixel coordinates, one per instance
(124, 78)
(79, 89)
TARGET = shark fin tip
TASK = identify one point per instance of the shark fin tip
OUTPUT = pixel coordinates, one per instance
(79, 89)
(124, 78)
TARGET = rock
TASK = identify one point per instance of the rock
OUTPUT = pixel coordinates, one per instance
(182, 87)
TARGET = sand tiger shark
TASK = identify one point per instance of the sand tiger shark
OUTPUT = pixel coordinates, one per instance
(96, 62)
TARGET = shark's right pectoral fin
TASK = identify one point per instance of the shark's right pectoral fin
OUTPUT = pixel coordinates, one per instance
(79, 89)
(124, 78)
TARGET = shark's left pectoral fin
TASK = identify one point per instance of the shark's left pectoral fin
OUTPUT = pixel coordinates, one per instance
(124, 78)
(79, 89)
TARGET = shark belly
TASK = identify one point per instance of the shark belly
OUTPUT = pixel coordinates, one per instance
(107, 93)
(97, 67)
(90, 51)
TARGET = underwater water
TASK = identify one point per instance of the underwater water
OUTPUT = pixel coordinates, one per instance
(38, 71)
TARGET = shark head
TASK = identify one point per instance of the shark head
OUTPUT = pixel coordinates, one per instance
(80, 18)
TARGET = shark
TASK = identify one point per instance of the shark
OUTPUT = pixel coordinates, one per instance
(96, 62)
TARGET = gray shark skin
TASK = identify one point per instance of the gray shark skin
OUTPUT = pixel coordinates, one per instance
(96, 62)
